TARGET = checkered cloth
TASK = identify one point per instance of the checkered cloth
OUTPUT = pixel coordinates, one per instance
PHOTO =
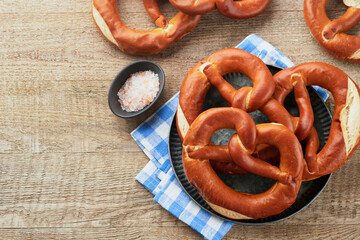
(157, 176)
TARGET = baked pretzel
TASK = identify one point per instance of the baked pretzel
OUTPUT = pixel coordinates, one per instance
(330, 34)
(196, 85)
(131, 41)
(209, 72)
(224, 199)
(344, 134)
(229, 8)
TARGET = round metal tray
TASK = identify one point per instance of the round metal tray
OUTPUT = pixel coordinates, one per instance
(251, 183)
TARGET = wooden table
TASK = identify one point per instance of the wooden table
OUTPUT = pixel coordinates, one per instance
(68, 165)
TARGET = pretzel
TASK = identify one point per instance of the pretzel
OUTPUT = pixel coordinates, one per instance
(107, 19)
(276, 113)
(330, 34)
(224, 199)
(196, 84)
(344, 134)
(228, 8)
(209, 72)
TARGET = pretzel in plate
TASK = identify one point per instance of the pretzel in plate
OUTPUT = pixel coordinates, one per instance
(229, 8)
(330, 34)
(135, 42)
(219, 196)
(209, 72)
(344, 134)
(196, 85)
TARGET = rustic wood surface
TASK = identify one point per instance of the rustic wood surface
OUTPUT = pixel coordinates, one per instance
(68, 165)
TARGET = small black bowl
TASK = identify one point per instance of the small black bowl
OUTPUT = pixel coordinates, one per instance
(121, 78)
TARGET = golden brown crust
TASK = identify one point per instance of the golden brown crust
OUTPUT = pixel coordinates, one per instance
(330, 34)
(135, 42)
(227, 201)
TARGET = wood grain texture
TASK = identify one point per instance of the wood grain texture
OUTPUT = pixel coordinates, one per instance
(68, 165)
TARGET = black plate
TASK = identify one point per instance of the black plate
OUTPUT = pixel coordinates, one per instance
(250, 183)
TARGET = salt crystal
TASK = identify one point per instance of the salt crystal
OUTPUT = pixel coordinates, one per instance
(139, 90)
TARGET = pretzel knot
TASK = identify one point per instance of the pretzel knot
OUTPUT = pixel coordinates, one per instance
(229, 8)
(344, 134)
(330, 34)
(209, 72)
(131, 41)
(219, 196)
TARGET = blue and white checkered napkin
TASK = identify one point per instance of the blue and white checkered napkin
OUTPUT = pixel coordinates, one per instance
(157, 176)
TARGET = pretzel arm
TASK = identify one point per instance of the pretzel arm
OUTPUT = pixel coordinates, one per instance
(306, 119)
(227, 167)
(194, 7)
(255, 165)
(267, 153)
(311, 148)
(154, 12)
(347, 21)
(218, 153)
(242, 9)
(277, 113)
(225, 89)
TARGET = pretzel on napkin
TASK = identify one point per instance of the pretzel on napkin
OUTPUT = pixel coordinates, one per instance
(131, 41)
(330, 34)
(216, 193)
